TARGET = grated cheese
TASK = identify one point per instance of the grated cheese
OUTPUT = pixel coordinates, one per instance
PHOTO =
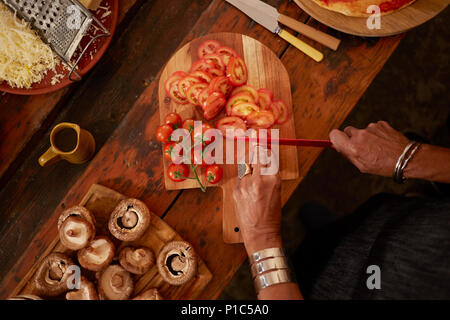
(24, 57)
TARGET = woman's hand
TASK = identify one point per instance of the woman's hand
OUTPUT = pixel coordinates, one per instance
(258, 208)
(374, 150)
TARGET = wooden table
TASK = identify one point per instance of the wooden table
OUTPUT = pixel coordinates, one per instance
(118, 103)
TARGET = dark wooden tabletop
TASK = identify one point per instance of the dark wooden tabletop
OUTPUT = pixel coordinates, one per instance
(118, 103)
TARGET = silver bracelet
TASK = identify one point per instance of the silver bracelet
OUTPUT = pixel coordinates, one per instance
(266, 253)
(408, 153)
(268, 265)
(272, 278)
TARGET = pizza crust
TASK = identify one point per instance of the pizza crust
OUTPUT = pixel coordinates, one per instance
(358, 8)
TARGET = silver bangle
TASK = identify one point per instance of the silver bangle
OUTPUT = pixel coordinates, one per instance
(272, 278)
(266, 253)
(268, 265)
(409, 151)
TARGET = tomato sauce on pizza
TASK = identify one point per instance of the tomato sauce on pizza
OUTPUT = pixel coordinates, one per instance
(358, 8)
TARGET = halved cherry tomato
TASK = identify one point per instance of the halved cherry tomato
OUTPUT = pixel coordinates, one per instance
(237, 71)
(202, 97)
(174, 77)
(202, 75)
(214, 104)
(225, 53)
(169, 152)
(194, 91)
(249, 89)
(284, 112)
(173, 119)
(201, 65)
(163, 133)
(213, 173)
(216, 60)
(240, 97)
(185, 83)
(243, 109)
(232, 123)
(260, 120)
(178, 172)
(220, 84)
(265, 97)
(208, 47)
(175, 95)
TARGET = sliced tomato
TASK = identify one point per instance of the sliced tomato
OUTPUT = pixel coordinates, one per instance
(236, 99)
(202, 97)
(213, 105)
(231, 123)
(175, 95)
(225, 53)
(213, 173)
(173, 119)
(243, 109)
(237, 71)
(249, 89)
(216, 60)
(208, 47)
(185, 83)
(178, 172)
(284, 112)
(214, 72)
(265, 98)
(273, 107)
(164, 132)
(201, 65)
(194, 91)
(260, 120)
(174, 77)
(202, 75)
(220, 84)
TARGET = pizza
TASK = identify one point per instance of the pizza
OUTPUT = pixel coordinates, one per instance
(358, 8)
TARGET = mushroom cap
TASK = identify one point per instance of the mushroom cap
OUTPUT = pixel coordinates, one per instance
(177, 262)
(75, 232)
(136, 260)
(77, 211)
(115, 283)
(86, 292)
(129, 220)
(51, 276)
(150, 294)
(97, 254)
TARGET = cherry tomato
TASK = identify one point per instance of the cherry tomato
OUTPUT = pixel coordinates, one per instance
(265, 97)
(216, 60)
(202, 76)
(220, 84)
(185, 83)
(170, 154)
(208, 47)
(174, 77)
(244, 109)
(173, 119)
(260, 120)
(246, 88)
(178, 172)
(205, 136)
(213, 105)
(225, 53)
(284, 112)
(194, 91)
(232, 123)
(202, 65)
(237, 71)
(236, 99)
(213, 173)
(175, 95)
(163, 133)
(188, 124)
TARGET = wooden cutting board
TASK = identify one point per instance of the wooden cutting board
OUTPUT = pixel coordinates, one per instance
(101, 201)
(265, 71)
(400, 21)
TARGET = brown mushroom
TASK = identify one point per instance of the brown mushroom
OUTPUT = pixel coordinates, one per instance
(75, 233)
(97, 254)
(25, 297)
(115, 283)
(86, 292)
(77, 211)
(150, 294)
(51, 276)
(177, 262)
(136, 260)
(129, 220)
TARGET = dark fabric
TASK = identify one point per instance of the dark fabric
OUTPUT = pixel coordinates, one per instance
(408, 238)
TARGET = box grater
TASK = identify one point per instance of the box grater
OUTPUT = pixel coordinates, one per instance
(59, 23)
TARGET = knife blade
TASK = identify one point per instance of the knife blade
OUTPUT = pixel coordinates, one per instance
(267, 16)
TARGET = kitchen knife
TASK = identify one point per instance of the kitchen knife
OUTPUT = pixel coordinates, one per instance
(268, 18)
(292, 142)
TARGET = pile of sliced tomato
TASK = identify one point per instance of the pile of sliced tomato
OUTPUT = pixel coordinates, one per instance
(217, 81)
(181, 171)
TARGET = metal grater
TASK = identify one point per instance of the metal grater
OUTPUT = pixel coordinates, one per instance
(51, 20)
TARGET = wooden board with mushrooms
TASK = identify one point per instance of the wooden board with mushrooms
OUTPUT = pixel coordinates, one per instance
(123, 251)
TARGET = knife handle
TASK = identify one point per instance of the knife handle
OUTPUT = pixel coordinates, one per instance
(300, 45)
(310, 32)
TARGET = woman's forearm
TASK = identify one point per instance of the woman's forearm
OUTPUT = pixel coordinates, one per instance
(430, 163)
